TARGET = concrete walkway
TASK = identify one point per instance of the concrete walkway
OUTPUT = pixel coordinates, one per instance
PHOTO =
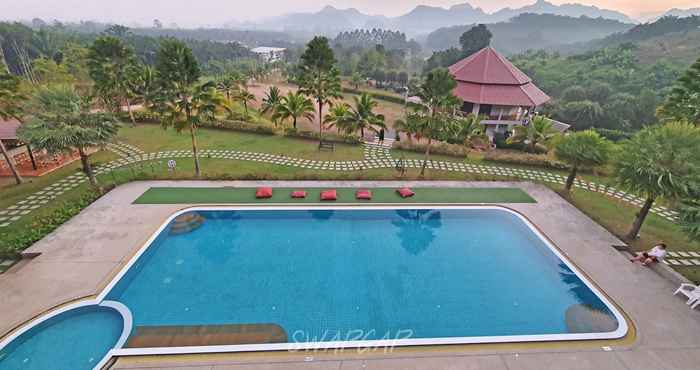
(81, 256)
(376, 156)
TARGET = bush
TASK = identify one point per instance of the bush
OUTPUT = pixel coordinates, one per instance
(11, 244)
(613, 135)
(240, 126)
(329, 137)
(522, 158)
(454, 150)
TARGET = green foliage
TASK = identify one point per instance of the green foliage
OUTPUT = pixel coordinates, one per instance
(436, 89)
(525, 159)
(320, 79)
(661, 161)
(607, 88)
(582, 149)
(539, 132)
(318, 56)
(111, 64)
(684, 101)
(11, 96)
(471, 41)
(294, 106)
(176, 66)
(613, 135)
(271, 102)
(11, 244)
(689, 214)
(362, 115)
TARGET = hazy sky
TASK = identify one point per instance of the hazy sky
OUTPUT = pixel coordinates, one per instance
(212, 12)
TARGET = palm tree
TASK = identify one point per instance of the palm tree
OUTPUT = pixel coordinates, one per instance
(363, 114)
(659, 161)
(582, 149)
(271, 101)
(184, 102)
(324, 87)
(538, 132)
(468, 129)
(228, 85)
(356, 80)
(11, 99)
(410, 127)
(294, 106)
(245, 97)
(63, 121)
(339, 116)
(433, 118)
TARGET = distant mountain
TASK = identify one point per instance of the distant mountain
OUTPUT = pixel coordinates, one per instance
(677, 39)
(421, 20)
(424, 19)
(532, 31)
(571, 10)
(681, 13)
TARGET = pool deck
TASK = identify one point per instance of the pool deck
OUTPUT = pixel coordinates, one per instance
(80, 258)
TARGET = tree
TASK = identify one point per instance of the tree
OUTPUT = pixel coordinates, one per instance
(436, 93)
(582, 149)
(689, 214)
(363, 115)
(112, 66)
(339, 117)
(185, 103)
(271, 102)
(659, 161)
(684, 101)
(536, 133)
(320, 78)
(467, 129)
(11, 99)
(228, 85)
(477, 38)
(245, 97)
(356, 80)
(294, 106)
(62, 120)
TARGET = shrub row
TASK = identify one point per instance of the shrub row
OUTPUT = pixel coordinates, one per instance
(330, 137)
(12, 243)
(528, 159)
(454, 150)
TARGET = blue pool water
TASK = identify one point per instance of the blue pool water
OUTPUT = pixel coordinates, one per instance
(73, 340)
(334, 275)
(325, 275)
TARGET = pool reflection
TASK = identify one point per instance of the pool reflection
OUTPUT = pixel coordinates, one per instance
(416, 228)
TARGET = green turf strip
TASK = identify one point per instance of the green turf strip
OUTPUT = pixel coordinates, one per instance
(345, 195)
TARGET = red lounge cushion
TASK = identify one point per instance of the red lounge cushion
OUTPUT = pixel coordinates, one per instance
(363, 194)
(329, 195)
(264, 192)
(405, 192)
(298, 194)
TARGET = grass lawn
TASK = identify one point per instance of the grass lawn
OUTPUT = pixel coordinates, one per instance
(617, 217)
(345, 195)
(153, 138)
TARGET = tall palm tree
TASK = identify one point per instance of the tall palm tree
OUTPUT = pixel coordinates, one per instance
(340, 117)
(538, 132)
(439, 104)
(363, 114)
(582, 149)
(228, 85)
(356, 80)
(659, 161)
(271, 101)
(63, 121)
(245, 97)
(11, 99)
(185, 103)
(324, 87)
(295, 106)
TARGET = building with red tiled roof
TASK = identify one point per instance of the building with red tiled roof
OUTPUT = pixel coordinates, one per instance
(492, 86)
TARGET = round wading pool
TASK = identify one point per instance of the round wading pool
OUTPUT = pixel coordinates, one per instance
(73, 339)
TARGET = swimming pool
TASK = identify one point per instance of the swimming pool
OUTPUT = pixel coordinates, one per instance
(327, 277)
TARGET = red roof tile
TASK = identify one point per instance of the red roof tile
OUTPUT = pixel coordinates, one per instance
(8, 129)
(486, 77)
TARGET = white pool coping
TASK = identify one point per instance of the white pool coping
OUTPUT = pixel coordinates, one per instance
(620, 332)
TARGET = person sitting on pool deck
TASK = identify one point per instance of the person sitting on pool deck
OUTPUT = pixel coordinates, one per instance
(656, 254)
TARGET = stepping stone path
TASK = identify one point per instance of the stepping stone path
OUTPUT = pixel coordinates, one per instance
(683, 259)
(376, 156)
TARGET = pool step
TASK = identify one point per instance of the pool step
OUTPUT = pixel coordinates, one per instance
(205, 335)
(186, 222)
